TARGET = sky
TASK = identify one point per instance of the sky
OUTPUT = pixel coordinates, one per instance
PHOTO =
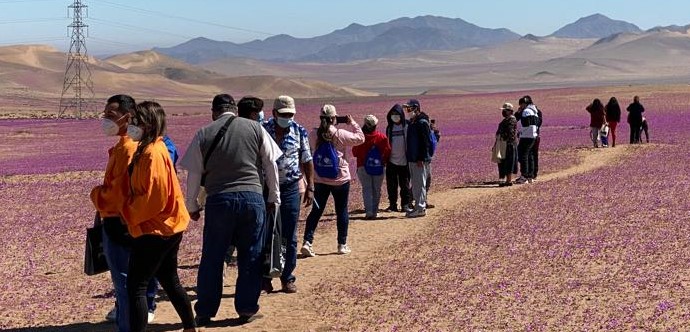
(119, 26)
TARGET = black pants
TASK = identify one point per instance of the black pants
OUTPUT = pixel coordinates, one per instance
(507, 165)
(635, 132)
(398, 176)
(535, 153)
(155, 256)
(526, 157)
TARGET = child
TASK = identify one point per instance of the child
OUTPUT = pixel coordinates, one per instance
(605, 135)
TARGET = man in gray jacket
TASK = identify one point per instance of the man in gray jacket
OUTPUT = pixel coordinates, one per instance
(235, 208)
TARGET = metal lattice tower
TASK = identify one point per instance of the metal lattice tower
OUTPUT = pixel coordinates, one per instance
(77, 74)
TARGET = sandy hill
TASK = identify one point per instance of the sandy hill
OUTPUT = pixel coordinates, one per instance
(33, 75)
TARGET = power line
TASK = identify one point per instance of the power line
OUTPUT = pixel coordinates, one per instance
(34, 20)
(136, 28)
(157, 13)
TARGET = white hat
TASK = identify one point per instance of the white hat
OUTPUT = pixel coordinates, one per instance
(284, 104)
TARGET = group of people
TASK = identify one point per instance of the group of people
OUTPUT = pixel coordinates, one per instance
(241, 168)
(520, 146)
(513, 146)
(604, 121)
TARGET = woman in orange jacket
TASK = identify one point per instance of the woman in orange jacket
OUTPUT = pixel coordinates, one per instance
(156, 217)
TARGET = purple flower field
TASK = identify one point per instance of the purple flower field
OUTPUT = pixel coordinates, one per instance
(601, 250)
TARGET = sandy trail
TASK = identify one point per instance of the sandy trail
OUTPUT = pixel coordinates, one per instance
(371, 242)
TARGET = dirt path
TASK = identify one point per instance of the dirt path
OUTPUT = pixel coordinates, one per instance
(371, 241)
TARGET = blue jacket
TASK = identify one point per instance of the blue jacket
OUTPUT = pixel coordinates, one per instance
(418, 139)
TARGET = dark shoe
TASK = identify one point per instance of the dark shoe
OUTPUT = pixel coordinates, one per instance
(202, 321)
(391, 208)
(289, 287)
(244, 319)
(408, 209)
(266, 285)
(505, 184)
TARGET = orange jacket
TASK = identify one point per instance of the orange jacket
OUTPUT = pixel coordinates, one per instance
(108, 197)
(155, 204)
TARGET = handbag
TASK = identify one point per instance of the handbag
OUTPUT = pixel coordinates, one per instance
(274, 249)
(498, 152)
(94, 257)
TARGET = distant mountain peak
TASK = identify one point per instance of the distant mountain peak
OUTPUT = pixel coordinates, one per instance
(531, 37)
(595, 26)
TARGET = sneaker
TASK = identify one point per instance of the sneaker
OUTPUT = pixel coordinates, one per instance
(111, 316)
(521, 180)
(289, 287)
(307, 250)
(151, 317)
(391, 208)
(343, 249)
(501, 179)
(408, 209)
(530, 180)
(416, 214)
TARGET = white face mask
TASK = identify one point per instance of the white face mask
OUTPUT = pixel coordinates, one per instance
(110, 127)
(135, 133)
(261, 117)
(395, 118)
(283, 122)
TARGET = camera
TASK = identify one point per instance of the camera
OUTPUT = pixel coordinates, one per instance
(341, 119)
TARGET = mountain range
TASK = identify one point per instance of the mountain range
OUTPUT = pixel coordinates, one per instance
(399, 37)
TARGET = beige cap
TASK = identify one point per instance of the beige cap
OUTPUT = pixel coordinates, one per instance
(371, 120)
(328, 110)
(284, 104)
(507, 106)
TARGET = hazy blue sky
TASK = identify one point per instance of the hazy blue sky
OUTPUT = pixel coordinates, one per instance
(126, 25)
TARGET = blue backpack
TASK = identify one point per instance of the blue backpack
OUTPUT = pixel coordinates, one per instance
(434, 142)
(326, 161)
(373, 164)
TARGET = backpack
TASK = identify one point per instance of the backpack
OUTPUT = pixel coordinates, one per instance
(373, 164)
(326, 161)
(433, 143)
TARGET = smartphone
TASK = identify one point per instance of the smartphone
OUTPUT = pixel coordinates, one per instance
(433, 121)
(341, 119)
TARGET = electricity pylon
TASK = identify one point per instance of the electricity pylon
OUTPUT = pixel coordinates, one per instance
(77, 89)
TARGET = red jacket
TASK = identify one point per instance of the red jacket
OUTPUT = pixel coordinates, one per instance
(375, 138)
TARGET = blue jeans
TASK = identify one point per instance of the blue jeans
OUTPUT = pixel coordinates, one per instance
(236, 217)
(371, 191)
(340, 199)
(289, 214)
(117, 257)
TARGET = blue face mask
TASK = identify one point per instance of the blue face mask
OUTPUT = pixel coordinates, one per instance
(283, 122)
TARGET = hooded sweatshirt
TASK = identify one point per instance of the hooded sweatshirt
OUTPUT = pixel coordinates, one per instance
(528, 121)
(397, 136)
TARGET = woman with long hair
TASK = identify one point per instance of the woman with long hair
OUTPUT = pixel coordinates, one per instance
(156, 217)
(613, 117)
(332, 175)
(596, 121)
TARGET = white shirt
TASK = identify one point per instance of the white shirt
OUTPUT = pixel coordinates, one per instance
(193, 162)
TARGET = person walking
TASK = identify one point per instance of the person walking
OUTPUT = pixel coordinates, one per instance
(156, 218)
(507, 132)
(529, 119)
(372, 157)
(397, 171)
(332, 175)
(107, 198)
(635, 110)
(232, 170)
(293, 141)
(418, 155)
(613, 117)
(597, 119)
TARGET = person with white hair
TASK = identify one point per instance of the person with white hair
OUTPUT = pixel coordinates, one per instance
(372, 158)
